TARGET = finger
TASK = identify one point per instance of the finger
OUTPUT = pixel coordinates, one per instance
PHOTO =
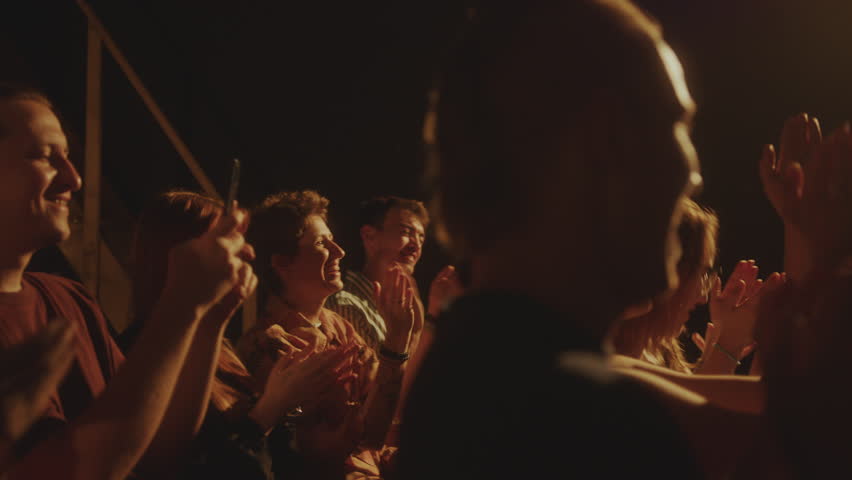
(247, 253)
(297, 342)
(794, 182)
(735, 292)
(228, 224)
(444, 273)
(814, 134)
(377, 291)
(398, 285)
(753, 291)
(698, 340)
(252, 285)
(716, 291)
(750, 274)
(767, 165)
(746, 351)
(773, 283)
(737, 274)
(818, 172)
(710, 334)
(244, 274)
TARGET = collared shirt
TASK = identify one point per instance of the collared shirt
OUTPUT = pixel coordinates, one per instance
(357, 304)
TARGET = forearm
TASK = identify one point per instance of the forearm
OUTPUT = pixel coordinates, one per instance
(739, 393)
(110, 437)
(797, 264)
(382, 402)
(418, 354)
(190, 399)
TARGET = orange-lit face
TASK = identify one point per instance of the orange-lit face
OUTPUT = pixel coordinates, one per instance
(398, 242)
(36, 176)
(315, 270)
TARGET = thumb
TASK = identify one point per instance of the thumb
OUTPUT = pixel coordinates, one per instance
(228, 223)
(377, 290)
(794, 180)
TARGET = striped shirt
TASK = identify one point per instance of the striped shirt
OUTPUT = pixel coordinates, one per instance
(357, 304)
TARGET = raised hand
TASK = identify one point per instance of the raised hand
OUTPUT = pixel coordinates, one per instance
(445, 288)
(395, 297)
(202, 271)
(823, 213)
(222, 312)
(782, 175)
(733, 310)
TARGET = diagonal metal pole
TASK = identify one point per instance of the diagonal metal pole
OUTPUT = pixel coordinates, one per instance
(148, 99)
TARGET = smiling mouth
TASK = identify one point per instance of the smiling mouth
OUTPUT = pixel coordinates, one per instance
(62, 202)
(333, 272)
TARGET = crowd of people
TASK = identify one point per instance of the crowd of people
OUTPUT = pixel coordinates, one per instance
(560, 132)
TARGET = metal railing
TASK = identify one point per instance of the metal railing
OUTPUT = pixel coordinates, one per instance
(90, 265)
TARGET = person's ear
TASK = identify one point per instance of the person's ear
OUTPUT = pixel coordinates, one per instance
(368, 236)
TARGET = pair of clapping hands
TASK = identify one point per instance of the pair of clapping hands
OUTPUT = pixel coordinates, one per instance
(301, 376)
(804, 327)
(399, 303)
(733, 318)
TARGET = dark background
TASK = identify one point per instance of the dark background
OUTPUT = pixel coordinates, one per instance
(331, 96)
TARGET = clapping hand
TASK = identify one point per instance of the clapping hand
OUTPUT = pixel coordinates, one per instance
(395, 298)
(733, 314)
(203, 270)
(445, 288)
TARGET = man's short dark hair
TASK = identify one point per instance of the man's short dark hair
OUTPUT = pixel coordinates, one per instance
(11, 92)
(518, 80)
(374, 210)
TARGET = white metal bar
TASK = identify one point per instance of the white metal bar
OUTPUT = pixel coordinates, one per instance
(148, 99)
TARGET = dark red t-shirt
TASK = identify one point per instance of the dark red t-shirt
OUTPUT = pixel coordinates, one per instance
(24, 313)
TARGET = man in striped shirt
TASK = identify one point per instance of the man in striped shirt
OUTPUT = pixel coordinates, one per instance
(393, 230)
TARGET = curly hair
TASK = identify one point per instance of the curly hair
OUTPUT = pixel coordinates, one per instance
(276, 227)
(698, 233)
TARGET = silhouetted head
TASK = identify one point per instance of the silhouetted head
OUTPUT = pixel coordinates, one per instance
(562, 136)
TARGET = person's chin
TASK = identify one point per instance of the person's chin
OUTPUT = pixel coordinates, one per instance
(407, 267)
(53, 235)
(335, 285)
